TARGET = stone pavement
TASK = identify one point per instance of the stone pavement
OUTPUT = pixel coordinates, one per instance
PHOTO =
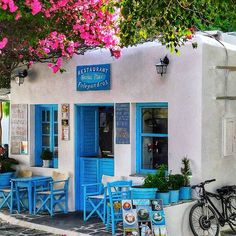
(70, 223)
(7, 229)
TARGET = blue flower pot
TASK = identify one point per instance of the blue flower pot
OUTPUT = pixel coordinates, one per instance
(165, 197)
(143, 193)
(174, 196)
(185, 193)
(5, 178)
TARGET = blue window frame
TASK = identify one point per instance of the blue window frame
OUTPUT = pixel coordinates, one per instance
(46, 132)
(152, 136)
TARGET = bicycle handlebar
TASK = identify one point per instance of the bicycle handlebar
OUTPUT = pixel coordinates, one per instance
(203, 183)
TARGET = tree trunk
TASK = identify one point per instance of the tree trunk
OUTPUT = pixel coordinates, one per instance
(1, 115)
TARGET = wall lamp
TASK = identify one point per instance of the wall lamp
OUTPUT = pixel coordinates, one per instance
(19, 79)
(162, 65)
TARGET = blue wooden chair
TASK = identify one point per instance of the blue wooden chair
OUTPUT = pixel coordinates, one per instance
(8, 197)
(95, 197)
(117, 191)
(53, 197)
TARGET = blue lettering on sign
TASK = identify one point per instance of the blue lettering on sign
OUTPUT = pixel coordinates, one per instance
(93, 77)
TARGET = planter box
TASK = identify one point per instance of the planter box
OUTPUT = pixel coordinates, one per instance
(174, 196)
(165, 197)
(5, 178)
(143, 193)
(185, 193)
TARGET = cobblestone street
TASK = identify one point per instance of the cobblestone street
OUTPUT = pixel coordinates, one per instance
(7, 229)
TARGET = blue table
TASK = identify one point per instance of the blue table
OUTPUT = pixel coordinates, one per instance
(28, 183)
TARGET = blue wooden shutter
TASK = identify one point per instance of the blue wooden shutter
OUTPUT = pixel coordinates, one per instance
(89, 131)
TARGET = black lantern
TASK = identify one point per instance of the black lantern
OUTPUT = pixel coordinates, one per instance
(19, 79)
(162, 65)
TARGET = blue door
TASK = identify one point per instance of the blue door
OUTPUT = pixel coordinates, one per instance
(91, 166)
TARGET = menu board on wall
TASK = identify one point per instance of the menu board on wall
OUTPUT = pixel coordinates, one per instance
(19, 132)
(122, 111)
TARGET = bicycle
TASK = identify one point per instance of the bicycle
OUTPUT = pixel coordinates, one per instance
(205, 218)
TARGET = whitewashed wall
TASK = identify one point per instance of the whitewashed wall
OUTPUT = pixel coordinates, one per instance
(214, 165)
(134, 79)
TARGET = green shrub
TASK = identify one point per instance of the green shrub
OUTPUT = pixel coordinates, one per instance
(176, 181)
(186, 171)
(47, 154)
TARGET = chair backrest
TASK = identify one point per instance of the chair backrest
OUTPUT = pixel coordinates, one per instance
(107, 178)
(119, 190)
(136, 180)
(58, 176)
(24, 173)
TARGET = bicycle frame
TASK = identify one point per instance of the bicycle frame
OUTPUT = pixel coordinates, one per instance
(205, 199)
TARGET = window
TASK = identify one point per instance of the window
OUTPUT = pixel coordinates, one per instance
(46, 132)
(152, 136)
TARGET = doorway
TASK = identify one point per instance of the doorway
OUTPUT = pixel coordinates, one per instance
(94, 146)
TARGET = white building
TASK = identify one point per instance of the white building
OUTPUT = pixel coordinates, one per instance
(167, 117)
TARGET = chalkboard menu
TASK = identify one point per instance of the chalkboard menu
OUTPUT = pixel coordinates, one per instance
(122, 111)
(19, 133)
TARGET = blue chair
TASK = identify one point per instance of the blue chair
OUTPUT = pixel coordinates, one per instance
(117, 191)
(8, 196)
(95, 198)
(53, 197)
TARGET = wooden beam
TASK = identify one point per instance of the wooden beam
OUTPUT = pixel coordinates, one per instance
(226, 98)
(230, 68)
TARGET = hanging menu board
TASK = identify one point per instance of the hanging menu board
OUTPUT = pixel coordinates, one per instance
(144, 217)
(122, 111)
(19, 133)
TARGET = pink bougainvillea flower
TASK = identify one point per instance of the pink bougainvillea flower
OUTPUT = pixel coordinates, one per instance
(30, 64)
(18, 15)
(57, 66)
(3, 43)
(12, 6)
(116, 52)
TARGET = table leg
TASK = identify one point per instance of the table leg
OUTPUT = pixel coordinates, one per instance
(30, 197)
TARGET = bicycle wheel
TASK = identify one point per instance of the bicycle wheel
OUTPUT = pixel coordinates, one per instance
(200, 224)
(231, 211)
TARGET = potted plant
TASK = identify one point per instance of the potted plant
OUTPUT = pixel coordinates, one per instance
(7, 170)
(46, 156)
(147, 190)
(175, 182)
(185, 190)
(163, 185)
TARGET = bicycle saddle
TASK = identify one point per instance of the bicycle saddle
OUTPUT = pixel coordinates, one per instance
(226, 190)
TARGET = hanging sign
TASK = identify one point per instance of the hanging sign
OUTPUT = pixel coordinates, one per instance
(19, 133)
(122, 111)
(93, 77)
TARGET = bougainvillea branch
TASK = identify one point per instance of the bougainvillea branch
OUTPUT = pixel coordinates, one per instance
(46, 31)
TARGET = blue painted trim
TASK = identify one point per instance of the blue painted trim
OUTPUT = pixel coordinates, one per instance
(139, 134)
(77, 166)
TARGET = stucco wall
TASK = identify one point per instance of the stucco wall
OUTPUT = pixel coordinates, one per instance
(214, 165)
(134, 79)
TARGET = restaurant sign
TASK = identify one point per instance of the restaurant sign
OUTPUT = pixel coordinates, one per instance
(93, 77)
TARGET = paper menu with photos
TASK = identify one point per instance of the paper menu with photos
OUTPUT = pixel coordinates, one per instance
(19, 128)
(143, 217)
